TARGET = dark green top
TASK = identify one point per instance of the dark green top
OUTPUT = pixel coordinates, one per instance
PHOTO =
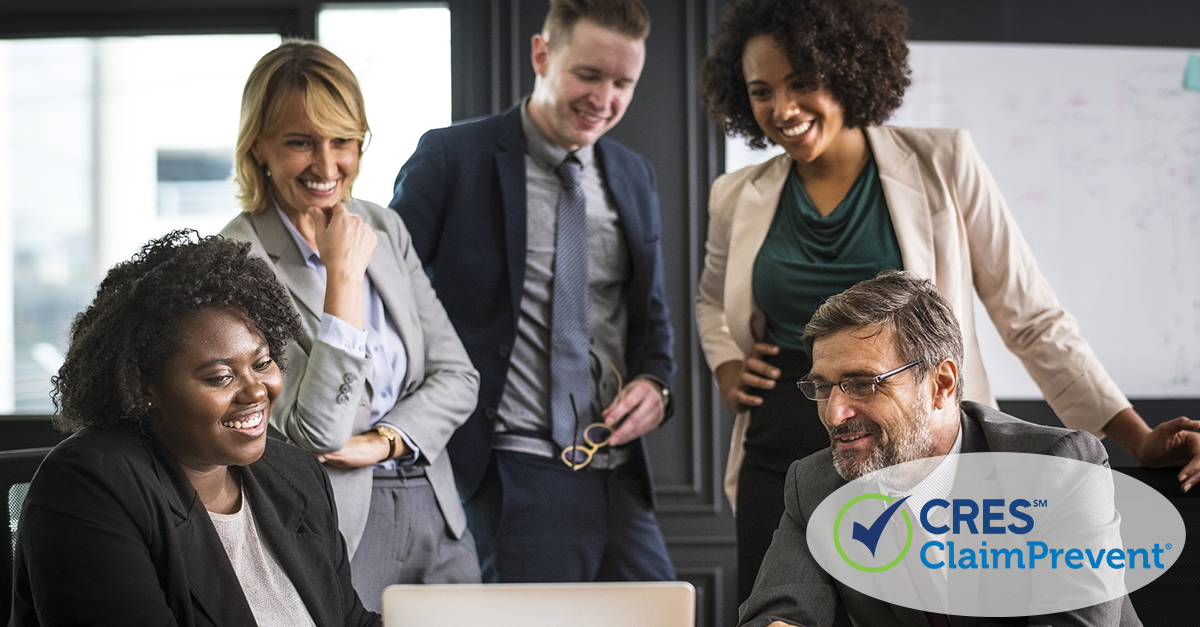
(807, 257)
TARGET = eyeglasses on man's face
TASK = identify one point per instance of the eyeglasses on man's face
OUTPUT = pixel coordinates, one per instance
(857, 388)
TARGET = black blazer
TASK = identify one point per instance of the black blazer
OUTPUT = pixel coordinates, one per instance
(462, 197)
(113, 533)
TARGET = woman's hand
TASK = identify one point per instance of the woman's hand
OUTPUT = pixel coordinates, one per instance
(738, 379)
(345, 242)
(346, 245)
(362, 450)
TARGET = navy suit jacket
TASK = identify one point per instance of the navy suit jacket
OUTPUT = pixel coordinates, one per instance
(462, 197)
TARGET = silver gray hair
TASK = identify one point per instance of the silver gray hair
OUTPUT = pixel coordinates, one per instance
(922, 320)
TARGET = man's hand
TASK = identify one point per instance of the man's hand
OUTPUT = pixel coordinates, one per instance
(639, 410)
(362, 450)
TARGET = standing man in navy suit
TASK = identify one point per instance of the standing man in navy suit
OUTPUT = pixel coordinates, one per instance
(542, 240)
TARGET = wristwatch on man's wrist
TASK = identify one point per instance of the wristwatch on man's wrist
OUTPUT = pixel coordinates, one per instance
(666, 397)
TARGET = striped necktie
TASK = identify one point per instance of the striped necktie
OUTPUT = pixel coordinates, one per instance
(570, 366)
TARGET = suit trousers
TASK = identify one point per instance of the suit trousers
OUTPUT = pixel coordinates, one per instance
(536, 520)
(406, 540)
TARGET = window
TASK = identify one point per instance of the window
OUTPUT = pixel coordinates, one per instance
(401, 56)
(104, 143)
(108, 142)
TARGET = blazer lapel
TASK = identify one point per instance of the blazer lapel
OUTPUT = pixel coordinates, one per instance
(510, 170)
(214, 585)
(912, 217)
(300, 552)
(293, 271)
(625, 199)
(391, 281)
(966, 581)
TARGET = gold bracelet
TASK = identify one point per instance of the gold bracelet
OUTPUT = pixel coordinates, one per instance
(390, 434)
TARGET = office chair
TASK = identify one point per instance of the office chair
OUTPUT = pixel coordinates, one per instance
(16, 470)
(1168, 599)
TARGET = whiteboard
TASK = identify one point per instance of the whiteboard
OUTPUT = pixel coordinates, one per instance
(1097, 151)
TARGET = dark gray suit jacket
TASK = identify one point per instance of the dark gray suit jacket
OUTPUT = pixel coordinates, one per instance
(793, 588)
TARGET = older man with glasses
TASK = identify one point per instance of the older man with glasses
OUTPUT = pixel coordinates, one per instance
(886, 377)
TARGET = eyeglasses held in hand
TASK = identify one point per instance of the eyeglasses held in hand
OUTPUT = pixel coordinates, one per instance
(857, 388)
(595, 435)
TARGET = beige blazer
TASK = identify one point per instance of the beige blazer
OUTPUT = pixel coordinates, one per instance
(327, 391)
(954, 228)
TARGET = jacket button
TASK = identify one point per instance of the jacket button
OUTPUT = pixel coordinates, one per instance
(345, 389)
(504, 351)
(350, 377)
(342, 399)
(490, 412)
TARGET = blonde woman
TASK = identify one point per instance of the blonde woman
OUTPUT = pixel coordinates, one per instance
(378, 381)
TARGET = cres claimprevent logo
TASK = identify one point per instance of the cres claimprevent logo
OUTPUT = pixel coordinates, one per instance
(869, 536)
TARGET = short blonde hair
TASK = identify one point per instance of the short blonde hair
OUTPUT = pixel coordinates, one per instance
(332, 100)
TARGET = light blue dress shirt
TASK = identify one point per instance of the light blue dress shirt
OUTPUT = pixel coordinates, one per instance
(380, 340)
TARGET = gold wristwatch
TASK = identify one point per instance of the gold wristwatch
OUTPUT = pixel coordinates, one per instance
(390, 434)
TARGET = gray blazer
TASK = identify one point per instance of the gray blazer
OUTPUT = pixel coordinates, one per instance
(327, 392)
(793, 588)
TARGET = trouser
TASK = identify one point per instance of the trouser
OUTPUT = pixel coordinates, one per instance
(760, 507)
(536, 520)
(406, 540)
(784, 428)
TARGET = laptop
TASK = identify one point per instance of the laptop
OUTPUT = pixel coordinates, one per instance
(643, 604)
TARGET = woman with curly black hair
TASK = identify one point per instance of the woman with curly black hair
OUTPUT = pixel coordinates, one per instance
(848, 198)
(169, 505)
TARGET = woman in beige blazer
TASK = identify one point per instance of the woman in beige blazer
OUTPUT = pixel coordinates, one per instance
(378, 380)
(777, 73)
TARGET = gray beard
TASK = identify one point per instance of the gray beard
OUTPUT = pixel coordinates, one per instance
(911, 444)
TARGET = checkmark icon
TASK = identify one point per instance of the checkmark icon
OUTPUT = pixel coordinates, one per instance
(870, 536)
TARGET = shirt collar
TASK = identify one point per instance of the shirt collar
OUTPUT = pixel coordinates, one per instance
(311, 257)
(545, 153)
(938, 482)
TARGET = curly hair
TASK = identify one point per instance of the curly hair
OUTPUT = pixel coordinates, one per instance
(854, 48)
(132, 327)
